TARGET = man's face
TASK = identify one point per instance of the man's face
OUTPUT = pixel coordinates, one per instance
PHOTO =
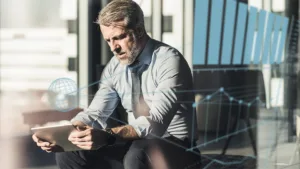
(122, 43)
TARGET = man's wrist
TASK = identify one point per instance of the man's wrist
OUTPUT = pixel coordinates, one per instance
(126, 132)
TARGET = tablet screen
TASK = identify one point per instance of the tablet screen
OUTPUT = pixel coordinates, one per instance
(57, 134)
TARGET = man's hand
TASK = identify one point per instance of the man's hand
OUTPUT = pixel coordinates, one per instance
(89, 139)
(46, 146)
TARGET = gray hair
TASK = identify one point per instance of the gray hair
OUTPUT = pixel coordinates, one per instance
(122, 10)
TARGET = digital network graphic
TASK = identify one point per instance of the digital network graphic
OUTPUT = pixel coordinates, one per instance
(229, 37)
(62, 94)
(234, 37)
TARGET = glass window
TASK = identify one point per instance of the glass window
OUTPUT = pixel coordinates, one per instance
(173, 23)
(278, 6)
(38, 42)
(146, 6)
(256, 3)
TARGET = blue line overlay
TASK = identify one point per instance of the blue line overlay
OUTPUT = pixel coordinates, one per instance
(265, 37)
(228, 32)
(250, 34)
(215, 32)
(200, 29)
(259, 37)
(240, 32)
(267, 44)
(282, 41)
(275, 41)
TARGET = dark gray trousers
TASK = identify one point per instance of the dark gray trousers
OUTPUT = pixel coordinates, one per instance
(140, 154)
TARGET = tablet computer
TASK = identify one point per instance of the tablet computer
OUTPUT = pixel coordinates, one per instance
(58, 135)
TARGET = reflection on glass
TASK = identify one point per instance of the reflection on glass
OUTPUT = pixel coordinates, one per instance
(37, 45)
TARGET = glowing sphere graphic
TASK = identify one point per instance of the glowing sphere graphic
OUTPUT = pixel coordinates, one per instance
(62, 94)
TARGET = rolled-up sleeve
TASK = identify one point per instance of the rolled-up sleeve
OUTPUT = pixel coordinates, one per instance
(103, 104)
(172, 77)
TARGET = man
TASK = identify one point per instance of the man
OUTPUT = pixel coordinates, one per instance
(153, 82)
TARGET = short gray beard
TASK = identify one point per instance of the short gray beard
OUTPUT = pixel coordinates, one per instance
(133, 55)
(134, 52)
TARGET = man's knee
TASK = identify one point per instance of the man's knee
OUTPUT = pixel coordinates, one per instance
(137, 157)
(61, 158)
(70, 160)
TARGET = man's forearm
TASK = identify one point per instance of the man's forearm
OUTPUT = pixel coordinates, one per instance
(126, 132)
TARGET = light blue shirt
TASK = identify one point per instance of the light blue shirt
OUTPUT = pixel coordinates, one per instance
(167, 87)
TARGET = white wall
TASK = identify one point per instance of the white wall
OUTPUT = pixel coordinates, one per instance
(32, 58)
(174, 8)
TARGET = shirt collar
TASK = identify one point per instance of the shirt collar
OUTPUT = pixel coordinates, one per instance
(145, 56)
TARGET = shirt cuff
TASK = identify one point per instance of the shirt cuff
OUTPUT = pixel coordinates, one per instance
(94, 122)
(142, 126)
